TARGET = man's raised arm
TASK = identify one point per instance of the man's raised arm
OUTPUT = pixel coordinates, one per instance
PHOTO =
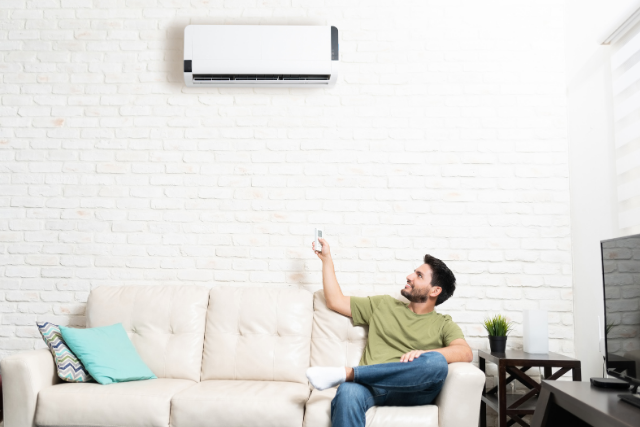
(336, 301)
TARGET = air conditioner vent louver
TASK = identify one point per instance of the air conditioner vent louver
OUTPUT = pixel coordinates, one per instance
(258, 77)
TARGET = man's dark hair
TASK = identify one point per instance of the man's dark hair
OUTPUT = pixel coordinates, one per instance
(442, 277)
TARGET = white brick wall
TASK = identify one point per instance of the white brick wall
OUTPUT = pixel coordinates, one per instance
(446, 134)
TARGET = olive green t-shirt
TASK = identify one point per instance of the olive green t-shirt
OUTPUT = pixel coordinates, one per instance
(395, 330)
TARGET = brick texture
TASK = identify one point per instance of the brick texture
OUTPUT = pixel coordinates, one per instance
(446, 134)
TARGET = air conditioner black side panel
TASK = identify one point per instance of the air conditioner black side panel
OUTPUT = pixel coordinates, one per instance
(335, 54)
(187, 65)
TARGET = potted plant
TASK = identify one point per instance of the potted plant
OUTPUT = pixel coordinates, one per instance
(498, 327)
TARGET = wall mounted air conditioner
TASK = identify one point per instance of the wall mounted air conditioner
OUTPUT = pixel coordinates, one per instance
(260, 56)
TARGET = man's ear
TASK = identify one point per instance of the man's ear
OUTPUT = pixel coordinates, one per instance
(435, 291)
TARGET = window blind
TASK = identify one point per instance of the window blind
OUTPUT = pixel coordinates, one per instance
(625, 70)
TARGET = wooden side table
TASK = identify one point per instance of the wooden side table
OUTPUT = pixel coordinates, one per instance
(516, 363)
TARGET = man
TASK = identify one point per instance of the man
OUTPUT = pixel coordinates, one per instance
(409, 346)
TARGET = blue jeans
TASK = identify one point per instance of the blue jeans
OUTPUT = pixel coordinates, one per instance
(388, 384)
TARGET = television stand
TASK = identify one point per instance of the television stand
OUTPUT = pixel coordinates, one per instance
(579, 404)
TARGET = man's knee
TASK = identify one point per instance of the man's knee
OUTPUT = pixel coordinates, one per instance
(350, 391)
(436, 365)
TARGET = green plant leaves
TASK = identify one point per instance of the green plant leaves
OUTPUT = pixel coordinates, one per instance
(498, 326)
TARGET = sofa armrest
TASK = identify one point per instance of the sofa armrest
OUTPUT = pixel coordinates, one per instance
(23, 376)
(459, 400)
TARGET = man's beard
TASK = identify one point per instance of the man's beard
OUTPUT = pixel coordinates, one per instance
(415, 295)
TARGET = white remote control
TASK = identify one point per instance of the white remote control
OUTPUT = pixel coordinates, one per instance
(317, 245)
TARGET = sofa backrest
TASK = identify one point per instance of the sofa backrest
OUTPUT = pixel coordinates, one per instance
(258, 334)
(166, 324)
(334, 339)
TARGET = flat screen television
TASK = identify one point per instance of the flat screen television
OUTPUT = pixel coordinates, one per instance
(621, 279)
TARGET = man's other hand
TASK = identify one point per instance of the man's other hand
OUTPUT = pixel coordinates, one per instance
(414, 354)
(326, 251)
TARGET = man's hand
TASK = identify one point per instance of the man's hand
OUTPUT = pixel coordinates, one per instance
(326, 251)
(414, 354)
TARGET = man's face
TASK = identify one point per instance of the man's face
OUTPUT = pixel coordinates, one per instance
(418, 285)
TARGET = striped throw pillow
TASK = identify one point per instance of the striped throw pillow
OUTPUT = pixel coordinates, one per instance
(69, 367)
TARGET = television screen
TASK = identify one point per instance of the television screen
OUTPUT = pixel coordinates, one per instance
(621, 276)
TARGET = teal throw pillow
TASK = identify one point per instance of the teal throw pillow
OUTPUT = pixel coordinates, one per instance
(107, 353)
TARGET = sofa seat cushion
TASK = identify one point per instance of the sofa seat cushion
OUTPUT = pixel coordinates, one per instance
(318, 413)
(130, 404)
(230, 403)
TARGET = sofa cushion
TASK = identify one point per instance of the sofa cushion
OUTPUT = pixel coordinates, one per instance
(334, 339)
(131, 404)
(228, 403)
(165, 324)
(107, 353)
(258, 334)
(318, 413)
(405, 416)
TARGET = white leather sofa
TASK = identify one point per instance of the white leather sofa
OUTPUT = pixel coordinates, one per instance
(223, 357)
